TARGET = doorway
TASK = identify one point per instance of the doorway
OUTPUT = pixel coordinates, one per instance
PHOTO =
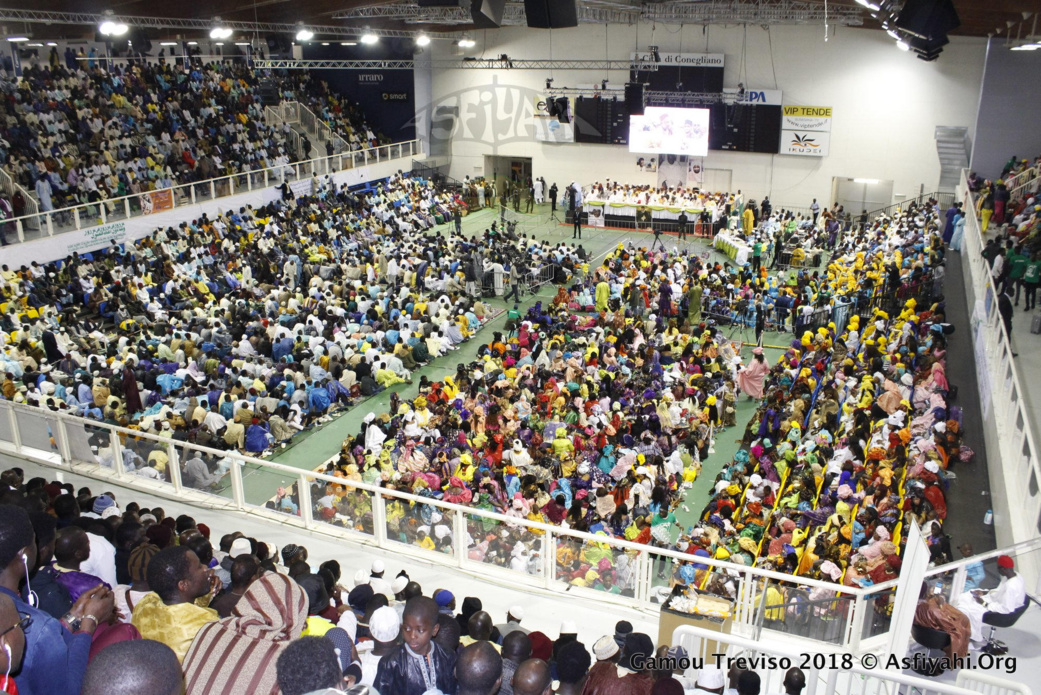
(857, 195)
(504, 169)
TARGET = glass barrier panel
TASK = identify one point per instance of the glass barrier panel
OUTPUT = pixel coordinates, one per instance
(89, 443)
(879, 614)
(420, 525)
(6, 430)
(38, 429)
(204, 471)
(278, 494)
(597, 566)
(817, 614)
(343, 507)
(503, 544)
(146, 458)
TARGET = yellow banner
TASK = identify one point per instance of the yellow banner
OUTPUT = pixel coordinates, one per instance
(808, 111)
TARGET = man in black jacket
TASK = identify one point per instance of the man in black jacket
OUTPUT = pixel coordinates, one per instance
(420, 664)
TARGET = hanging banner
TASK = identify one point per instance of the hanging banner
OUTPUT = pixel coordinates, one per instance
(816, 119)
(595, 216)
(549, 128)
(771, 97)
(805, 143)
(695, 171)
(157, 201)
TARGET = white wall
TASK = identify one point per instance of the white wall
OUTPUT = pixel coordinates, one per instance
(886, 102)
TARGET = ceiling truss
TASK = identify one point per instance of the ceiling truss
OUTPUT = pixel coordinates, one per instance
(762, 12)
(464, 64)
(203, 25)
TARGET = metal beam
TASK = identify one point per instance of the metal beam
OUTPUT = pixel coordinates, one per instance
(513, 14)
(764, 12)
(204, 25)
(475, 64)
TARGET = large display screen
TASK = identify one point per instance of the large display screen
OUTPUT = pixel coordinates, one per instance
(669, 130)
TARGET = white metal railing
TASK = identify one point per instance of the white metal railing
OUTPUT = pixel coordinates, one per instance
(1018, 452)
(1023, 179)
(982, 682)
(829, 674)
(10, 186)
(62, 440)
(312, 123)
(135, 205)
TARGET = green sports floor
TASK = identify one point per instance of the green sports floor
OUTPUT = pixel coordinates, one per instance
(310, 449)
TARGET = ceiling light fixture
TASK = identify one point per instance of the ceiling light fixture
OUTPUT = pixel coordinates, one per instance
(167, 43)
(422, 40)
(368, 38)
(903, 45)
(304, 35)
(467, 43)
(348, 43)
(17, 39)
(110, 28)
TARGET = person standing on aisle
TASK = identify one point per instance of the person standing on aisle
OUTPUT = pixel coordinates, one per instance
(517, 272)
(1031, 278)
(682, 220)
(458, 220)
(757, 255)
(1005, 309)
(553, 197)
(530, 207)
(778, 245)
(575, 196)
(540, 191)
(815, 208)
(516, 197)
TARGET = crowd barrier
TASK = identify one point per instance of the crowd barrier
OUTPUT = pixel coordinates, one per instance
(1015, 472)
(64, 442)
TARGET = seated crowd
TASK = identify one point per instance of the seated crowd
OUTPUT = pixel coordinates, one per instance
(344, 117)
(105, 601)
(83, 134)
(597, 410)
(237, 332)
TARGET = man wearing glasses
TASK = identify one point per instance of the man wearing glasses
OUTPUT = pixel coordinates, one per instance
(12, 642)
(55, 652)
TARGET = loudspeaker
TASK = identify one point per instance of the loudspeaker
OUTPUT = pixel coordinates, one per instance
(551, 14)
(634, 99)
(933, 19)
(278, 44)
(563, 109)
(487, 14)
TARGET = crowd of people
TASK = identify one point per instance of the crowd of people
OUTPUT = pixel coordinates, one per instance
(597, 409)
(344, 117)
(238, 331)
(103, 600)
(79, 133)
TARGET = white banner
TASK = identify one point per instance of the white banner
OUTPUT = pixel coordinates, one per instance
(771, 97)
(695, 171)
(549, 128)
(813, 118)
(805, 143)
(687, 60)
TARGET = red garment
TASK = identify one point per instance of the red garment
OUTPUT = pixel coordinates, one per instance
(7, 685)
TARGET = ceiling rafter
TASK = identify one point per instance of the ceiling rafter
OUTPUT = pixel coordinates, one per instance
(591, 12)
(95, 18)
